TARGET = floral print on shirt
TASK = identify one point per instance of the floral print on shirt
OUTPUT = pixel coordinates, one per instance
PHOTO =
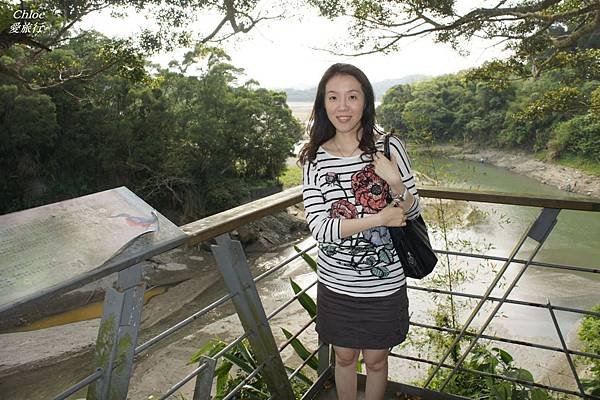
(371, 249)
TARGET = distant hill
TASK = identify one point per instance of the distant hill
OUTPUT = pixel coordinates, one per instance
(379, 88)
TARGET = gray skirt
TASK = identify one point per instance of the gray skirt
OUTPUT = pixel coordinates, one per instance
(362, 322)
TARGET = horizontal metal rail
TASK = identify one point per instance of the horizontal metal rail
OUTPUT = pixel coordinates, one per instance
(290, 301)
(529, 200)
(295, 336)
(201, 367)
(299, 368)
(214, 305)
(508, 301)
(211, 307)
(182, 382)
(506, 340)
(244, 382)
(229, 220)
(221, 353)
(182, 324)
(311, 356)
(488, 374)
(81, 384)
(520, 261)
(283, 264)
(231, 345)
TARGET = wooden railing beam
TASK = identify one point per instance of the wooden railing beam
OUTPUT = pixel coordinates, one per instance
(227, 221)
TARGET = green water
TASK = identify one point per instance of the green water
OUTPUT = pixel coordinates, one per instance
(574, 240)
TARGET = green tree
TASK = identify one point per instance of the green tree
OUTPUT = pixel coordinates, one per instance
(393, 103)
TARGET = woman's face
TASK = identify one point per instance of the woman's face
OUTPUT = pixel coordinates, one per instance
(344, 103)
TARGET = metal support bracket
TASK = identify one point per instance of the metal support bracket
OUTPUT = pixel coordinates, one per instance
(566, 350)
(538, 230)
(232, 264)
(118, 334)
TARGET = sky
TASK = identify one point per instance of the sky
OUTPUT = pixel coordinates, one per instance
(283, 53)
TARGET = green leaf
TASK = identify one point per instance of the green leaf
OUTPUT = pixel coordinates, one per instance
(504, 356)
(241, 347)
(304, 299)
(300, 376)
(222, 374)
(501, 391)
(239, 362)
(302, 352)
(538, 394)
(209, 349)
(521, 374)
(309, 260)
(358, 366)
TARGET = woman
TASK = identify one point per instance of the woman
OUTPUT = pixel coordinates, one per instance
(361, 294)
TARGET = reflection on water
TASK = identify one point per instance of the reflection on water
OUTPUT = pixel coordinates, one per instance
(84, 313)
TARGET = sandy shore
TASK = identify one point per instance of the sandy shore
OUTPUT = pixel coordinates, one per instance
(564, 178)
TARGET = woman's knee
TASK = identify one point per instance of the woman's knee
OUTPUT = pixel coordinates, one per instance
(375, 360)
(345, 357)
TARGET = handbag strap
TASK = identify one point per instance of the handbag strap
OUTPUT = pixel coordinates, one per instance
(386, 146)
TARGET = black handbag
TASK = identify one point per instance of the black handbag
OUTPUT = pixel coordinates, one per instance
(411, 241)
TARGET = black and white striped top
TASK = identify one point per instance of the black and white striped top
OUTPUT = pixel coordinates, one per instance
(366, 263)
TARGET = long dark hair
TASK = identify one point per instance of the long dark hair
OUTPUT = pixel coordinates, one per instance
(321, 129)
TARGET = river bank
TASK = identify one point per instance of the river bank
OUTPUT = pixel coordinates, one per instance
(565, 178)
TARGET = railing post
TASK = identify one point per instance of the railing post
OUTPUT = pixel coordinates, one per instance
(204, 379)
(117, 335)
(324, 361)
(238, 279)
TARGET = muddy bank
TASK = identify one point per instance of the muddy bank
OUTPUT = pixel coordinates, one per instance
(565, 178)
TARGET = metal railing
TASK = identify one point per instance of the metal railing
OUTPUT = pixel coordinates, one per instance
(243, 294)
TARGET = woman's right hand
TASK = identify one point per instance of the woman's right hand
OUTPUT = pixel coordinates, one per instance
(392, 215)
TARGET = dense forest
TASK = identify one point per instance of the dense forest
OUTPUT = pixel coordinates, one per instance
(189, 145)
(556, 114)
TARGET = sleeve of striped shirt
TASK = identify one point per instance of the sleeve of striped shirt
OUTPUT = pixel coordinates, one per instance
(398, 149)
(321, 225)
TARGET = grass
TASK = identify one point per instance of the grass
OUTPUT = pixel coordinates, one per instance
(291, 176)
(583, 164)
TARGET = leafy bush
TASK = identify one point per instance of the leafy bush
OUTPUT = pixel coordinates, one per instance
(494, 361)
(578, 136)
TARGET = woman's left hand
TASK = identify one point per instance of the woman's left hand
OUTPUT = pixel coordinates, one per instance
(386, 169)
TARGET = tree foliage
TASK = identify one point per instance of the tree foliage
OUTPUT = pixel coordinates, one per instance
(29, 46)
(540, 35)
(170, 139)
(556, 113)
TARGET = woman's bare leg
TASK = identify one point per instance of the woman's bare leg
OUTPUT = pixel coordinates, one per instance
(345, 372)
(376, 362)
